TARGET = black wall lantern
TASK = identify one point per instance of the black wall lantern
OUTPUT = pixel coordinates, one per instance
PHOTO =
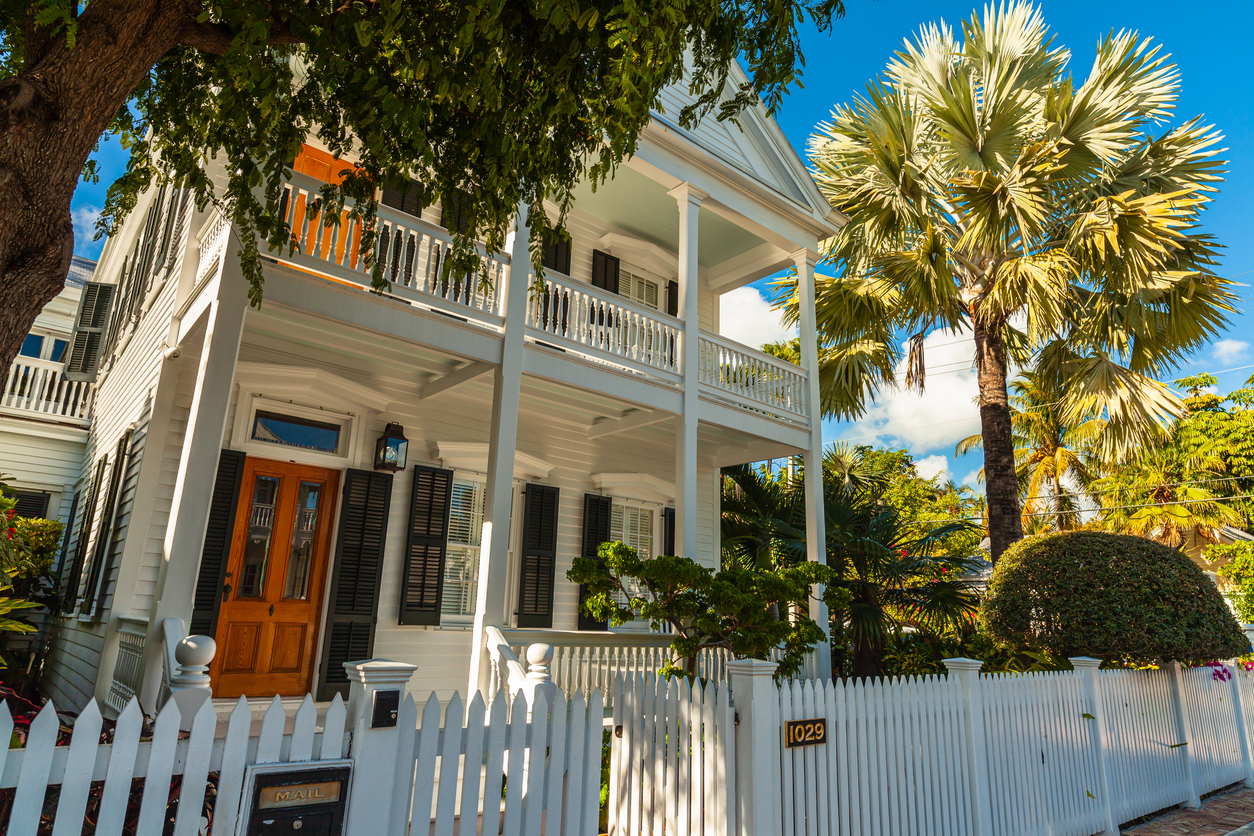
(389, 450)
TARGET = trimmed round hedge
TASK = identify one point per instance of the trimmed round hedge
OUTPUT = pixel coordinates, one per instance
(1085, 593)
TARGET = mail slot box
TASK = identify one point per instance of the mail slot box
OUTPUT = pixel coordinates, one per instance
(306, 801)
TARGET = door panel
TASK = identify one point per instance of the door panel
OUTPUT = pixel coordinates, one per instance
(272, 598)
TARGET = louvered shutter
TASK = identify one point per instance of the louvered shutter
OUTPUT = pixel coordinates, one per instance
(456, 215)
(596, 530)
(404, 195)
(216, 551)
(605, 271)
(96, 572)
(31, 504)
(556, 252)
(355, 582)
(668, 531)
(90, 326)
(426, 546)
(539, 557)
(70, 580)
(672, 298)
(69, 529)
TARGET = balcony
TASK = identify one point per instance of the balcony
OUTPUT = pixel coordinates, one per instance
(562, 313)
(38, 389)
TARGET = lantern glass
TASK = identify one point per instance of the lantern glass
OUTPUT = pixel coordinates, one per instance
(391, 448)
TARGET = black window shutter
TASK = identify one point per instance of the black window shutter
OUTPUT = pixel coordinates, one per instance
(456, 215)
(404, 195)
(103, 548)
(71, 579)
(604, 271)
(539, 557)
(217, 548)
(672, 298)
(90, 326)
(69, 529)
(596, 530)
(668, 531)
(556, 252)
(426, 546)
(355, 582)
(31, 504)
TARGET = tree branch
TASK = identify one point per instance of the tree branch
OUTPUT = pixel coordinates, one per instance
(216, 38)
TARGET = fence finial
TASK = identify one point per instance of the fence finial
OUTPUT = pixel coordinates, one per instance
(539, 679)
(194, 654)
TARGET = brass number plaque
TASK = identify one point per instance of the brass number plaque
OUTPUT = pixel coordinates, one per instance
(298, 795)
(804, 733)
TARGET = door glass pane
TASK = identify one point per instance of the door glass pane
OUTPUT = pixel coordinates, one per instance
(252, 581)
(32, 346)
(304, 525)
(58, 350)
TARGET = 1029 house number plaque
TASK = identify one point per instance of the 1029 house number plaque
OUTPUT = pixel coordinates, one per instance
(805, 733)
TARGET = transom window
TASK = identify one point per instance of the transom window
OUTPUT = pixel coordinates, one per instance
(465, 533)
(291, 431)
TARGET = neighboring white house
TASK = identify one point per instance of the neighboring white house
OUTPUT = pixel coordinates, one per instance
(43, 416)
(230, 474)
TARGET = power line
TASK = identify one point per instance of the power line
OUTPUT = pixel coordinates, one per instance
(1099, 510)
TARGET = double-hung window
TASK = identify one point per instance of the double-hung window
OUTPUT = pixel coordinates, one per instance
(633, 524)
(465, 532)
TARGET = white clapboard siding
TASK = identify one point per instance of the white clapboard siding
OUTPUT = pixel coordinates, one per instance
(74, 767)
(672, 761)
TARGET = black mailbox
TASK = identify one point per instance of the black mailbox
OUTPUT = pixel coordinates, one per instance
(297, 802)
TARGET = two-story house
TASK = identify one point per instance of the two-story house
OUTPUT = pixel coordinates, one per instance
(339, 475)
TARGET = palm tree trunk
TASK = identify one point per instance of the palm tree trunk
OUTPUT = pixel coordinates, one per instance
(1004, 524)
(1057, 502)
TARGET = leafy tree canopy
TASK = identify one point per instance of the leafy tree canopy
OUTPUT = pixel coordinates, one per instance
(504, 101)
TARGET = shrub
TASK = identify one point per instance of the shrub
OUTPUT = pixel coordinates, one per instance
(1238, 571)
(1113, 596)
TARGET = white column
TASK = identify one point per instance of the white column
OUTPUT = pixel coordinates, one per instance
(967, 672)
(490, 605)
(689, 198)
(816, 533)
(193, 486)
(1183, 733)
(379, 798)
(759, 742)
(1087, 667)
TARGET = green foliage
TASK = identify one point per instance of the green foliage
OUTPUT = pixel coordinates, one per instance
(17, 560)
(921, 654)
(1116, 597)
(748, 611)
(1238, 570)
(503, 102)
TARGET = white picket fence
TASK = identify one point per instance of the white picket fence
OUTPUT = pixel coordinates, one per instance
(41, 763)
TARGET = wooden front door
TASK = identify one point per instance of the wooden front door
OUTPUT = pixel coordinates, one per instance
(272, 599)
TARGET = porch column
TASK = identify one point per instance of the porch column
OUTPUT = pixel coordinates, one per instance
(193, 486)
(689, 198)
(816, 534)
(490, 606)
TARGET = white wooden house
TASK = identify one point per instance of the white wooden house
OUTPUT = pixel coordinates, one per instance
(43, 416)
(230, 474)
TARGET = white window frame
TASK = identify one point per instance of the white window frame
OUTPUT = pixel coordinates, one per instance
(466, 621)
(630, 272)
(655, 511)
(351, 429)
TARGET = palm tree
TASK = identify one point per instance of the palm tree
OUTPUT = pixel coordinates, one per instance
(1053, 218)
(1050, 452)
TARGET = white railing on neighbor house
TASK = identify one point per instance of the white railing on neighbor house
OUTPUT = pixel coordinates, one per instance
(212, 242)
(576, 316)
(39, 388)
(409, 251)
(754, 379)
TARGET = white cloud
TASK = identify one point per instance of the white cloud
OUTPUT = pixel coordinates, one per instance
(936, 420)
(931, 466)
(746, 317)
(84, 220)
(973, 480)
(1229, 351)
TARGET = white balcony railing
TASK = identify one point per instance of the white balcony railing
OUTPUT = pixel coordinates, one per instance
(576, 316)
(39, 388)
(409, 251)
(754, 379)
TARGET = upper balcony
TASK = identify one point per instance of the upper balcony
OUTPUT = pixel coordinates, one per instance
(562, 312)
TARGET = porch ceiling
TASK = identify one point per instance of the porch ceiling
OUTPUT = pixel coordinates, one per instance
(635, 204)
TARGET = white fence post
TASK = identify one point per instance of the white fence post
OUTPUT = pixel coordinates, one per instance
(1087, 667)
(191, 688)
(1238, 713)
(374, 751)
(1183, 733)
(758, 747)
(968, 673)
(539, 680)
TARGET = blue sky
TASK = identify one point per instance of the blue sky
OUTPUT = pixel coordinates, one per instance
(1212, 52)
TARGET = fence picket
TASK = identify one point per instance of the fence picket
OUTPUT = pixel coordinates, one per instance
(117, 786)
(558, 778)
(471, 775)
(270, 741)
(403, 778)
(578, 731)
(78, 769)
(591, 777)
(301, 748)
(165, 735)
(196, 771)
(332, 743)
(231, 776)
(428, 736)
(28, 801)
(534, 765)
(449, 753)
(6, 732)
(514, 766)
